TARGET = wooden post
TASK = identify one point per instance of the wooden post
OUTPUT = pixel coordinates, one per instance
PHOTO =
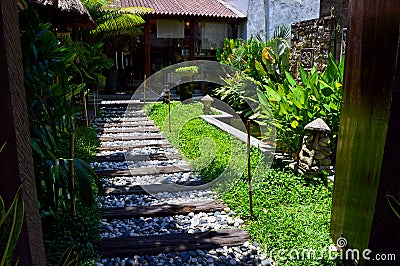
(192, 39)
(249, 170)
(144, 89)
(147, 49)
(16, 162)
(367, 161)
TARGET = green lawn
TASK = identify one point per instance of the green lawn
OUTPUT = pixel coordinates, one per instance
(292, 213)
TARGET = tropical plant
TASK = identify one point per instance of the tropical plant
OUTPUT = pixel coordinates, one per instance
(282, 31)
(113, 21)
(10, 227)
(51, 108)
(294, 104)
(246, 56)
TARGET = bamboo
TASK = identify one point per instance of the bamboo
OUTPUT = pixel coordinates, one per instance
(71, 173)
(249, 170)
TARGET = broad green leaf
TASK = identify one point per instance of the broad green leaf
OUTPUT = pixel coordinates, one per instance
(272, 94)
(303, 76)
(260, 69)
(282, 109)
(263, 100)
(290, 79)
(327, 107)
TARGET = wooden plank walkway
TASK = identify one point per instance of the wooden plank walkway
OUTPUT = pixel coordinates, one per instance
(137, 122)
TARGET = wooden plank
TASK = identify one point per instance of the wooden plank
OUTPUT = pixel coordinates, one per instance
(132, 147)
(124, 129)
(367, 156)
(155, 244)
(141, 137)
(154, 188)
(155, 170)
(121, 158)
(162, 210)
(140, 123)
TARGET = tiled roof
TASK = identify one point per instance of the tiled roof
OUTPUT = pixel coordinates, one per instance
(206, 8)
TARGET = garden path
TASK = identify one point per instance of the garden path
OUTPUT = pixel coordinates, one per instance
(164, 227)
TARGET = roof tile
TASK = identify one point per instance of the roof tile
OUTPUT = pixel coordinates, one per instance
(206, 8)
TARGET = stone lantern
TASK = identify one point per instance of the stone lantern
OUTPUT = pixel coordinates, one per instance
(315, 151)
(207, 100)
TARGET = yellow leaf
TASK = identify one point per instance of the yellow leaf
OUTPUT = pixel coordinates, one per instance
(294, 124)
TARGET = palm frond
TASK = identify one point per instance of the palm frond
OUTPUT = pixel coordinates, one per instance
(282, 31)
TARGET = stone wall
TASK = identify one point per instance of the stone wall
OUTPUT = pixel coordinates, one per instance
(312, 41)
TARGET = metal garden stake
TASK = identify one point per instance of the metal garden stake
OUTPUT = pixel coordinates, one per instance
(249, 170)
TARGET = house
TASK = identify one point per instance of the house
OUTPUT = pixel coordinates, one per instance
(182, 30)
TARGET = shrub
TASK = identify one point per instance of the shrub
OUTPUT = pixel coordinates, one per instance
(294, 104)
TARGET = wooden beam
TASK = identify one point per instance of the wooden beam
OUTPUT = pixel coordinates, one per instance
(155, 244)
(141, 157)
(16, 164)
(162, 210)
(147, 171)
(132, 147)
(367, 158)
(141, 137)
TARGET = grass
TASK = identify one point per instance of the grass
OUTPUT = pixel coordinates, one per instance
(206, 148)
(292, 213)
